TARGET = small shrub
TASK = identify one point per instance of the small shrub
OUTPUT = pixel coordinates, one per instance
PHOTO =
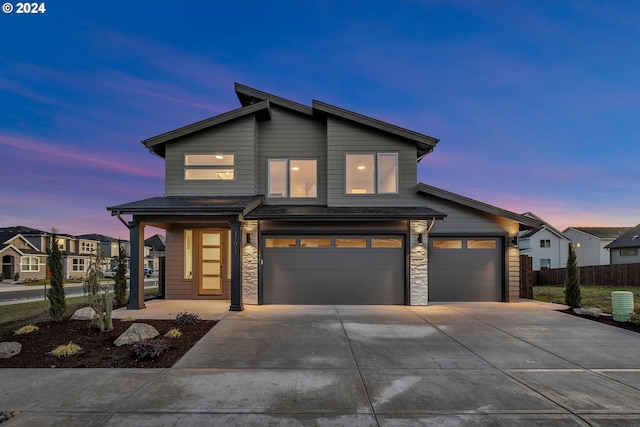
(634, 318)
(151, 349)
(185, 319)
(17, 277)
(173, 333)
(25, 330)
(128, 318)
(65, 350)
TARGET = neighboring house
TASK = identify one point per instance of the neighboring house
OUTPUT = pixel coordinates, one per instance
(20, 256)
(590, 243)
(547, 246)
(109, 246)
(76, 252)
(281, 203)
(157, 247)
(626, 248)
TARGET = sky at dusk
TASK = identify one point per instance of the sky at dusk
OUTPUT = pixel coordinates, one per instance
(536, 103)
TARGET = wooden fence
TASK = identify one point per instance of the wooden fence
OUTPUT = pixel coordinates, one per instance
(594, 275)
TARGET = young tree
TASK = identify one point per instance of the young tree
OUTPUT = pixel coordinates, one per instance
(57, 301)
(99, 296)
(120, 285)
(572, 295)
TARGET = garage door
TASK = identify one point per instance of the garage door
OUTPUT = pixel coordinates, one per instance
(465, 269)
(333, 270)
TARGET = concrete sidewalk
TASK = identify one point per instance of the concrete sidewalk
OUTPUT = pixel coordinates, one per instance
(449, 364)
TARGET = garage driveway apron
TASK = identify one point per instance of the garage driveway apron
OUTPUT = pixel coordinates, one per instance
(494, 363)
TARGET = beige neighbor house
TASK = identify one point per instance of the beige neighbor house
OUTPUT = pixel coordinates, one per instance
(282, 203)
(20, 258)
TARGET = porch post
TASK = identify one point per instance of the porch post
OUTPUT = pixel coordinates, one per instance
(136, 257)
(236, 278)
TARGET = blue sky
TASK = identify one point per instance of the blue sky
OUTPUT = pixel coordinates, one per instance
(536, 103)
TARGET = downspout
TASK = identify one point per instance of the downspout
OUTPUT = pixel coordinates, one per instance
(126, 224)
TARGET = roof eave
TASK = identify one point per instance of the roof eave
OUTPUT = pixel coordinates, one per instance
(156, 144)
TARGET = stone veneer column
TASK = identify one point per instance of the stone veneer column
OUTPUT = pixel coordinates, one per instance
(419, 281)
(250, 262)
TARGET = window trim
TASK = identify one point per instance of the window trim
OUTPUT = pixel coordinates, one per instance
(628, 252)
(30, 265)
(287, 161)
(78, 265)
(376, 177)
(543, 243)
(211, 167)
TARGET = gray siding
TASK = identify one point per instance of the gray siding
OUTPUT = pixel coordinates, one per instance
(237, 137)
(344, 137)
(177, 287)
(617, 259)
(292, 136)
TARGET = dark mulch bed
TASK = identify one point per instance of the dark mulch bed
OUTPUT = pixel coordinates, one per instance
(608, 320)
(98, 350)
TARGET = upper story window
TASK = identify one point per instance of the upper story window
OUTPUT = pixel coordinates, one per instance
(292, 178)
(545, 243)
(629, 252)
(371, 173)
(220, 166)
(88, 247)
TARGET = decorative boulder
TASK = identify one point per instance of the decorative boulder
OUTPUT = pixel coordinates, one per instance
(9, 349)
(593, 311)
(136, 332)
(85, 313)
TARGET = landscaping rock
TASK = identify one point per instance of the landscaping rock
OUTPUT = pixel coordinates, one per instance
(592, 312)
(85, 313)
(136, 332)
(9, 349)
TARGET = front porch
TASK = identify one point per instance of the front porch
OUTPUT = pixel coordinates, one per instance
(168, 309)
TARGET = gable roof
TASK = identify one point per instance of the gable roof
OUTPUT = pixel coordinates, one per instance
(630, 239)
(475, 204)
(257, 102)
(8, 234)
(601, 232)
(157, 242)
(101, 238)
(545, 225)
(156, 144)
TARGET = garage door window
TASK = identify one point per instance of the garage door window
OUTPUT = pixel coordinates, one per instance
(386, 243)
(315, 243)
(351, 243)
(481, 244)
(280, 243)
(447, 244)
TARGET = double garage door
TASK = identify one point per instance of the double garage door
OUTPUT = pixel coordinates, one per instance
(333, 270)
(465, 269)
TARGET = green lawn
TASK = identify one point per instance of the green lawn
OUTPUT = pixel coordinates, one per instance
(592, 296)
(26, 310)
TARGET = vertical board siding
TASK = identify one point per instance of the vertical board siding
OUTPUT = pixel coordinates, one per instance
(290, 135)
(346, 137)
(176, 287)
(237, 137)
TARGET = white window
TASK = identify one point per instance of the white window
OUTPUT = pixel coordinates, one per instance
(209, 166)
(77, 264)
(88, 247)
(371, 173)
(29, 264)
(545, 263)
(295, 178)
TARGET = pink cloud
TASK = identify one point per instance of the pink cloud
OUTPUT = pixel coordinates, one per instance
(99, 160)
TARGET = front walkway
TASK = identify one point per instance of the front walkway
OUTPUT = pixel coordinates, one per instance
(450, 364)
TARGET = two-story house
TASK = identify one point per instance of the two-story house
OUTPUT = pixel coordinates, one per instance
(590, 243)
(76, 252)
(281, 203)
(20, 257)
(110, 246)
(547, 246)
(626, 248)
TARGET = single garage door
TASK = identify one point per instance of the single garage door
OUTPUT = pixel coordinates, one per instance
(333, 270)
(465, 269)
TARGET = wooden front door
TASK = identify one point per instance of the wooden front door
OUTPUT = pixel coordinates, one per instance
(211, 281)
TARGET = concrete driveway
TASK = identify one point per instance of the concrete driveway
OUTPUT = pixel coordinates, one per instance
(449, 364)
